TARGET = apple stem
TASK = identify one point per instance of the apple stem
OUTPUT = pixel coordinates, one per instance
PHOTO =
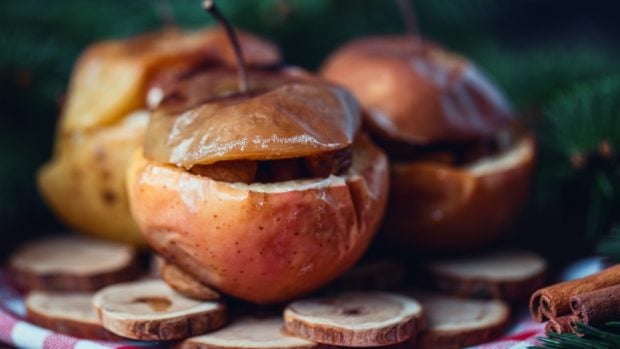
(209, 6)
(409, 18)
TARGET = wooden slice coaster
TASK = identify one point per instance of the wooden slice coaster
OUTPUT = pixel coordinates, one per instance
(458, 323)
(151, 310)
(355, 319)
(249, 333)
(506, 274)
(77, 264)
(186, 284)
(69, 313)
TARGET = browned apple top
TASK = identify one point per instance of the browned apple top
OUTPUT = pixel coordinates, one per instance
(286, 114)
(214, 43)
(416, 92)
(128, 69)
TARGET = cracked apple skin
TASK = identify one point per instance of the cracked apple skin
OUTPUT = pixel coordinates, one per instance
(263, 243)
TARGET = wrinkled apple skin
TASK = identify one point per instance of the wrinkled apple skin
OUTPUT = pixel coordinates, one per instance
(263, 243)
(111, 78)
(416, 92)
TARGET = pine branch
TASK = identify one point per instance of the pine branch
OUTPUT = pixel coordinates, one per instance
(603, 337)
(580, 143)
(581, 120)
(533, 74)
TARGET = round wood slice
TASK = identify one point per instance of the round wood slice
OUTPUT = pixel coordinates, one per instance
(151, 310)
(249, 333)
(70, 263)
(358, 319)
(506, 274)
(457, 323)
(186, 284)
(69, 313)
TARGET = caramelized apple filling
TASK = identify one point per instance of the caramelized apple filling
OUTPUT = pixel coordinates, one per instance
(270, 171)
(449, 154)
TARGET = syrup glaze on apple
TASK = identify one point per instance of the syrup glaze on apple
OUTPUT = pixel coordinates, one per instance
(289, 125)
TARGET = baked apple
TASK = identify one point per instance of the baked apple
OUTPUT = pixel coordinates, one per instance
(445, 207)
(459, 173)
(264, 195)
(106, 114)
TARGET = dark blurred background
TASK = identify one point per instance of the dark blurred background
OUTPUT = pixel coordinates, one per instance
(555, 60)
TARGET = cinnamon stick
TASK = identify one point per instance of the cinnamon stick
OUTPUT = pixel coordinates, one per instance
(598, 306)
(553, 301)
(562, 324)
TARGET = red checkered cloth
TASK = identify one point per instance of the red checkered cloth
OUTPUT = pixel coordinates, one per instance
(523, 334)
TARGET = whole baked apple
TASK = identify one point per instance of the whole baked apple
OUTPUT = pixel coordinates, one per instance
(266, 194)
(460, 168)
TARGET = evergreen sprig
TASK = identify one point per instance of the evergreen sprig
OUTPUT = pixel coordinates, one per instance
(534, 74)
(580, 164)
(603, 337)
(584, 117)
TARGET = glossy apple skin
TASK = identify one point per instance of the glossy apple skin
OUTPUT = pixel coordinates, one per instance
(437, 207)
(264, 243)
(416, 92)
